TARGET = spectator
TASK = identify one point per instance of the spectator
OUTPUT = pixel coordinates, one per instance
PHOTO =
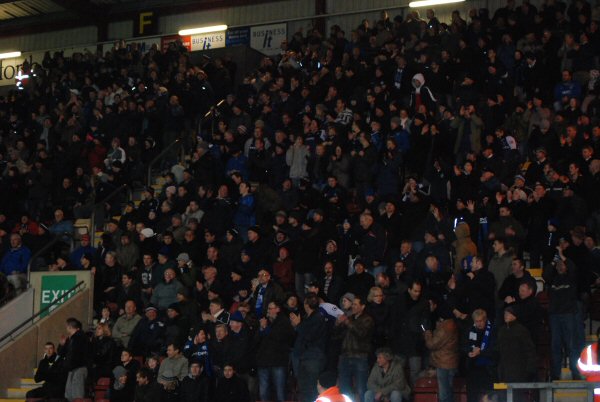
(387, 379)
(356, 333)
(479, 348)
(443, 344)
(516, 351)
(75, 349)
(231, 388)
(195, 387)
(172, 371)
(15, 262)
(49, 372)
(146, 390)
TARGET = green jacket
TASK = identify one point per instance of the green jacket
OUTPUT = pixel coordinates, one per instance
(476, 129)
(393, 380)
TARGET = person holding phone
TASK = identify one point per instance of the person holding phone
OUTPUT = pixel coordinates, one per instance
(50, 372)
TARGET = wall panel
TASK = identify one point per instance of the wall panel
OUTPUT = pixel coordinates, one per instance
(50, 40)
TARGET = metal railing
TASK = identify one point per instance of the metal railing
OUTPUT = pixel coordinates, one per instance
(59, 237)
(99, 207)
(548, 388)
(75, 289)
(160, 156)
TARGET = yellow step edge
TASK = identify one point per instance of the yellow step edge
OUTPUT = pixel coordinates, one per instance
(30, 381)
(11, 400)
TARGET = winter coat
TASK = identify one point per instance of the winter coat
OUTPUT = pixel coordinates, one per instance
(165, 294)
(393, 380)
(476, 128)
(443, 344)
(357, 336)
(501, 267)
(297, 159)
(463, 245)
(516, 353)
(275, 342)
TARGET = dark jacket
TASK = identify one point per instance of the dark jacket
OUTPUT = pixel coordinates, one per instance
(310, 339)
(148, 393)
(233, 389)
(406, 319)
(357, 336)
(273, 292)
(194, 389)
(516, 353)
(76, 351)
(50, 371)
(562, 288)
(275, 342)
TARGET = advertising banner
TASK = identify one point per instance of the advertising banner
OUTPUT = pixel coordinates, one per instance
(238, 36)
(267, 38)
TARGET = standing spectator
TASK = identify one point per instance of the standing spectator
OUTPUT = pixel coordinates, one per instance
(309, 348)
(443, 344)
(230, 387)
(275, 340)
(561, 280)
(195, 387)
(479, 348)
(356, 335)
(387, 380)
(75, 348)
(516, 351)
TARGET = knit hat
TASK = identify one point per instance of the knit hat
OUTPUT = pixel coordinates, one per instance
(147, 232)
(237, 316)
(349, 296)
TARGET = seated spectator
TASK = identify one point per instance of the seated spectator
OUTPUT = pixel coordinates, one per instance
(126, 323)
(50, 372)
(148, 335)
(195, 387)
(387, 380)
(146, 389)
(172, 371)
(123, 388)
(165, 293)
(84, 248)
(15, 261)
(230, 387)
(104, 352)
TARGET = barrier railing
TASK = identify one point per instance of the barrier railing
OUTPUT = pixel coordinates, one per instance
(99, 207)
(548, 388)
(160, 156)
(74, 290)
(59, 237)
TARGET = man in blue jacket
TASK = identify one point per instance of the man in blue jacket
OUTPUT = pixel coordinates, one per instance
(14, 262)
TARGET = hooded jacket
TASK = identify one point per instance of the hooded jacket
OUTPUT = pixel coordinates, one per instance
(463, 244)
(422, 95)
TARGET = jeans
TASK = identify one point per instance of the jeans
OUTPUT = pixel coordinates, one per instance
(563, 329)
(353, 367)
(275, 375)
(445, 378)
(75, 387)
(308, 375)
(395, 396)
(415, 364)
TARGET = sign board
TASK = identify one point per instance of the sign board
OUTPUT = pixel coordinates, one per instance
(145, 24)
(237, 36)
(212, 40)
(55, 287)
(267, 38)
(165, 41)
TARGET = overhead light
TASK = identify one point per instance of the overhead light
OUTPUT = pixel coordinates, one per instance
(428, 3)
(201, 30)
(9, 55)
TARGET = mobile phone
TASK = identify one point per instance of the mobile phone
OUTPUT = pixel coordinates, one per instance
(423, 327)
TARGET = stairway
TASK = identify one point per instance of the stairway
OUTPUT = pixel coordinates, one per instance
(18, 394)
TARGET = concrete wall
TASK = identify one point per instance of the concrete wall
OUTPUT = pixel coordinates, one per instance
(16, 311)
(21, 356)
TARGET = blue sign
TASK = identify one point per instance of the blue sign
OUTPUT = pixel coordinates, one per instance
(237, 36)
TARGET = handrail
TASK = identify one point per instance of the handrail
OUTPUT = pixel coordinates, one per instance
(102, 201)
(58, 237)
(42, 311)
(548, 388)
(159, 157)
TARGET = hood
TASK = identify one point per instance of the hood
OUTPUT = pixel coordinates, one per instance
(419, 77)
(462, 231)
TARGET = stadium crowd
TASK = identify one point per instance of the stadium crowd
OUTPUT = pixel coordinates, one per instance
(363, 204)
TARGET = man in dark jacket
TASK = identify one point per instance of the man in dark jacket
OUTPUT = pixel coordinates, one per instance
(356, 334)
(148, 335)
(50, 372)
(266, 292)
(231, 388)
(275, 338)
(308, 356)
(195, 387)
(476, 290)
(372, 243)
(561, 280)
(146, 390)
(410, 311)
(516, 351)
(75, 348)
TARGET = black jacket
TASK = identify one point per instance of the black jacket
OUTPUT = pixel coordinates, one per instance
(50, 371)
(406, 319)
(194, 389)
(76, 351)
(275, 343)
(233, 389)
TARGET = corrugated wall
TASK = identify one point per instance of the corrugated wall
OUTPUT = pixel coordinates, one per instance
(50, 40)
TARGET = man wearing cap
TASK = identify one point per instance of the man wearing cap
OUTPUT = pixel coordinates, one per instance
(187, 272)
(148, 335)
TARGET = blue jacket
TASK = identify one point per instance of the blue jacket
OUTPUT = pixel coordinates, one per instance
(571, 89)
(15, 259)
(76, 255)
(244, 216)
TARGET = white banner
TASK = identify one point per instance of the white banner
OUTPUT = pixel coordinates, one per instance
(212, 40)
(267, 38)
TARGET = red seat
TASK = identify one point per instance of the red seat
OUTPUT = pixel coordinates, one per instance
(102, 384)
(426, 383)
(99, 395)
(425, 397)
